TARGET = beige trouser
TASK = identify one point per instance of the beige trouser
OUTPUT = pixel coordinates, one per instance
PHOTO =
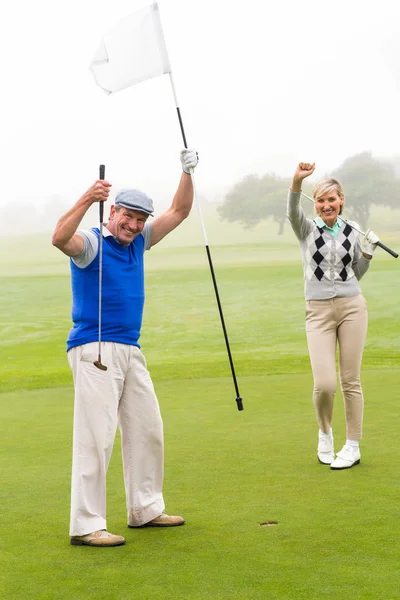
(121, 396)
(342, 320)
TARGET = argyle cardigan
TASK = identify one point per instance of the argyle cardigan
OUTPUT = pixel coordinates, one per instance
(332, 265)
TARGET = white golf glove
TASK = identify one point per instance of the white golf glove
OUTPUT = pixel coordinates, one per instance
(370, 241)
(189, 159)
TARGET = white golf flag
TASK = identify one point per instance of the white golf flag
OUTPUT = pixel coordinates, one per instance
(132, 51)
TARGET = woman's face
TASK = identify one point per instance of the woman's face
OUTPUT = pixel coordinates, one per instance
(328, 207)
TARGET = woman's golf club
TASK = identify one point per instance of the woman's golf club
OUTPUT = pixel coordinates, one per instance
(392, 252)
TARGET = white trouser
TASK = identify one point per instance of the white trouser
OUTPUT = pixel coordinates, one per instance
(121, 396)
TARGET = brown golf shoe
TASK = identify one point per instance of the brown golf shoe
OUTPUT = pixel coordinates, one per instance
(162, 520)
(98, 538)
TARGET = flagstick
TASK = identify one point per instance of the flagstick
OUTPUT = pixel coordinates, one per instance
(98, 362)
(392, 252)
(238, 398)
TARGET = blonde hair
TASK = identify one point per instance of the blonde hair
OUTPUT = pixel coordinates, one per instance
(325, 186)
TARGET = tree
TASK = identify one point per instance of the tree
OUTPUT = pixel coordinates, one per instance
(367, 181)
(254, 199)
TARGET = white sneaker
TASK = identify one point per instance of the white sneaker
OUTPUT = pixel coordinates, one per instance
(346, 458)
(325, 451)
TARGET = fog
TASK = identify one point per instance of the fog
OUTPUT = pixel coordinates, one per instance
(261, 86)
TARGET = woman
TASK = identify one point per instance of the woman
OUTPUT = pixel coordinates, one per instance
(336, 311)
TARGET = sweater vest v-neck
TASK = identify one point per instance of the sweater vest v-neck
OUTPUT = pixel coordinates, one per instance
(122, 295)
(332, 265)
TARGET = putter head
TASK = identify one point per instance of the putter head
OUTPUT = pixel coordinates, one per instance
(239, 403)
(97, 363)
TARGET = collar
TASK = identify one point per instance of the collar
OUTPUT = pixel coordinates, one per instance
(321, 224)
(106, 232)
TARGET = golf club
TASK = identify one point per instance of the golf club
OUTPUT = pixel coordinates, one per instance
(97, 363)
(392, 252)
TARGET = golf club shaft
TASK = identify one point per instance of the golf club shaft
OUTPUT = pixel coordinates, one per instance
(389, 250)
(102, 170)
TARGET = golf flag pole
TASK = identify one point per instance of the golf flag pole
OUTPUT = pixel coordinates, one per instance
(389, 250)
(239, 400)
(133, 51)
(98, 363)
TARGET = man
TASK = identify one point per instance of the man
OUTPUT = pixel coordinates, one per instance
(123, 395)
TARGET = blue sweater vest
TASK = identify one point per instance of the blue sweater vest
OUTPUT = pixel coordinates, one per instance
(122, 295)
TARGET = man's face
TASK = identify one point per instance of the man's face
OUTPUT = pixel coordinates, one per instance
(126, 224)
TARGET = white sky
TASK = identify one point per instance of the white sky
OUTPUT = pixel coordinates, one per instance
(261, 85)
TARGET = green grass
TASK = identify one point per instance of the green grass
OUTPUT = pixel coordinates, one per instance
(226, 471)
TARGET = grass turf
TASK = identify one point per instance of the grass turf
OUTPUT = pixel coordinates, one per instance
(226, 471)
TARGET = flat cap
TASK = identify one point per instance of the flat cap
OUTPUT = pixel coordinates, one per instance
(135, 200)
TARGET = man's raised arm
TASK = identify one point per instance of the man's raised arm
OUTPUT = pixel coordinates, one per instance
(65, 237)
(182, 202)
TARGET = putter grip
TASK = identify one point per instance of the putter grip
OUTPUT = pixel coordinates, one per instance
(102, 173)
(392, 252)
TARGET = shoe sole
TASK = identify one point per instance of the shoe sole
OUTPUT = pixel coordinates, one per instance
(357, 462)
(156, 525)
(81, 543)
